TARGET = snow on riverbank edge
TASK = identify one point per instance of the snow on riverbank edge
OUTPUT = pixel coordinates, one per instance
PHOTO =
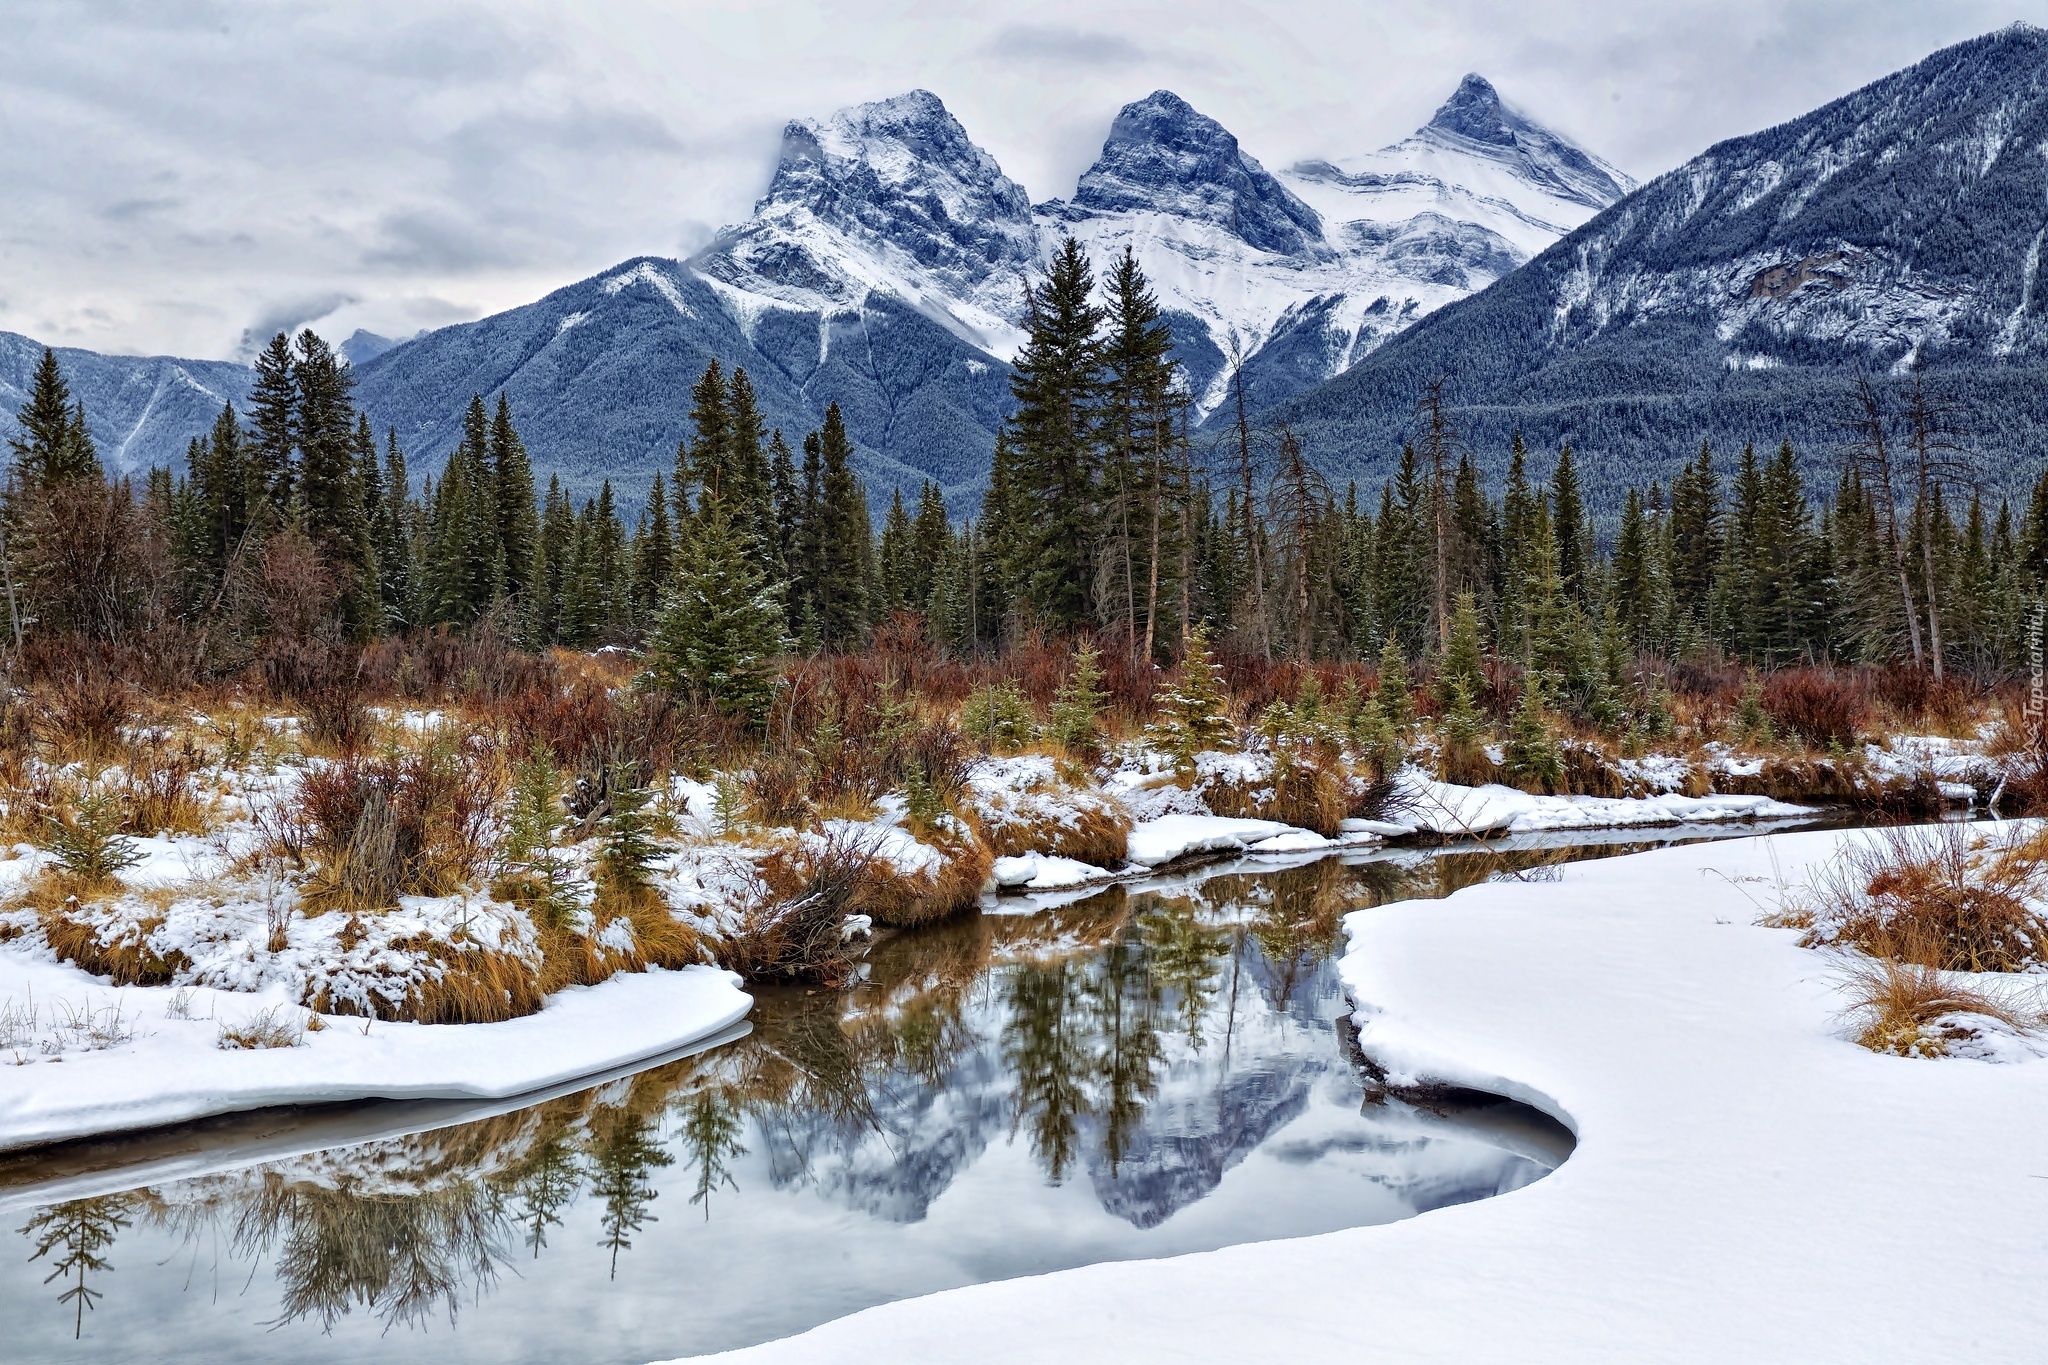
(1749, 1184)
(172, 1071)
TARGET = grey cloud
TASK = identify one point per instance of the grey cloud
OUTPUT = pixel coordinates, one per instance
(288, 316)
(174, 167)
(1072, 46)
(131, 210)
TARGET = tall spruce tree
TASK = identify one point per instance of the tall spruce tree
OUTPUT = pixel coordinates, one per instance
(1057, 383)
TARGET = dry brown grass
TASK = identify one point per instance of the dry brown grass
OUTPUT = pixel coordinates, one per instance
(475, 985)
(1911, 1010)
(900, 900)
(1086, 826)
(1941, 896)
(159, 794)
(125, 956)
(659, 940)
(274, 1027)
(1300, 792)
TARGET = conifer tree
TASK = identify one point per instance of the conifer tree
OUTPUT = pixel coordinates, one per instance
(786, 498)
(1393, 690)
(1567, 525)
(701, 463)
(842, 541)
(1077, 707)
(897, 571)
(1463, 665)
(518, 519)
(329, 493)
(53, 447)
(273, 434)
(719, 632)
(1192, 711)
(653, 555)
(1056, 380)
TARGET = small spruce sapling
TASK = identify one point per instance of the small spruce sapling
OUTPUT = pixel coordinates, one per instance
(626, 848)
(1752, 722)
(1462, 730)
(89, 845)
(1393, 692)
(530, 851)
(998, 717)
(1193, 711)
(1531, 754)
(1077, 706)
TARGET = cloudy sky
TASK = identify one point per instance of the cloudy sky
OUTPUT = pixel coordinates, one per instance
(183, 175)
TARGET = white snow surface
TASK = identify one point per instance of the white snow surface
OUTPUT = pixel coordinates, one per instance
(1177, 836)
(1749, 1185)
(1448, 809)
(171, 1069)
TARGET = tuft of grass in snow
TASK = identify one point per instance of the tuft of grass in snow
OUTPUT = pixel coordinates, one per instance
(1909, 1009)
(115, 946)
(274, 1027)
(1940, 896)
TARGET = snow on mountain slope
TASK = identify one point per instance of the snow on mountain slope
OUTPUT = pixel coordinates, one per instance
(1730, 300)
(142, 410)
(888, 197)
(1308, 270)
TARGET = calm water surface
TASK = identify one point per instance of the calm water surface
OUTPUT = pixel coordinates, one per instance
(1139, 1073)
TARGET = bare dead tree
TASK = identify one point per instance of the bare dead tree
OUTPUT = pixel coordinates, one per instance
(1940, 460)
(1441, 444)
(1870, 450)
(1246, 478)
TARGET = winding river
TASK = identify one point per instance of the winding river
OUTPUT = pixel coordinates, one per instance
(1144, 1071)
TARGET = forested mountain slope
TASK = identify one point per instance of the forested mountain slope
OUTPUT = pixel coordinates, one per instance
(1734, 298)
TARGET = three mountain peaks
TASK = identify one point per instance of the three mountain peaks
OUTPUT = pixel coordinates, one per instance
(884, 270)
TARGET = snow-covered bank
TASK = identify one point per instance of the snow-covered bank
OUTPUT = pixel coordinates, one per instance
(1449, 810)
(156, 1059)
(1749, 1184)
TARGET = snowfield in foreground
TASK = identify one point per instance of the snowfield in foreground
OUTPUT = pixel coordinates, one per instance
(1749, 1185)
(169, 1068)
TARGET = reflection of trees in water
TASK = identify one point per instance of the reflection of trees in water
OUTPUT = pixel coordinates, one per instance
(397, 1256)
(1080, 1004)
(623, 1151)
(712, 1124)
(1046, 1049)
(71, 1237)
(540, 1188)
(1184, 950)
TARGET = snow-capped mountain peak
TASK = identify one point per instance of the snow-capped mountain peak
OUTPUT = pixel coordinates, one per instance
(1306, 271)
(1474, 119)
(1302, 272)
(1163, 156)
(891, 196)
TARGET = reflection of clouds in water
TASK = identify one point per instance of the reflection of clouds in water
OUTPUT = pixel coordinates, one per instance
(1137, 1073)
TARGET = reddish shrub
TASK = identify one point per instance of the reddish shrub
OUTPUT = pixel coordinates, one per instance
(1823, 706)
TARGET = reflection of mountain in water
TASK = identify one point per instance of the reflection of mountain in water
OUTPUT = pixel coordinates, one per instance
(1182, 1151)
(894, 1164)
(1155, 1065)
